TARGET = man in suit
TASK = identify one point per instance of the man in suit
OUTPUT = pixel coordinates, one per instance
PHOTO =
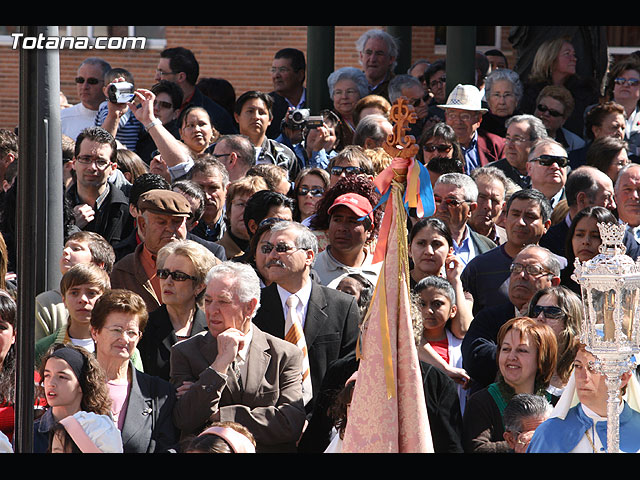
(456, 198)
(479, 344)
(329, 318)
(463, 112)
(162, 218)
(236, 372)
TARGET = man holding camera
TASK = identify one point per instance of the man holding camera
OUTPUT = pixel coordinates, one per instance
(287, 74)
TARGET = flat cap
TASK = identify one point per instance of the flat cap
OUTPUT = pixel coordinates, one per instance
(164, 202)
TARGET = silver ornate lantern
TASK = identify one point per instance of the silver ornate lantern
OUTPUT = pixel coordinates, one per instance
(610, 284)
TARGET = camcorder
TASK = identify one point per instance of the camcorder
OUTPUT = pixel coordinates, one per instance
(302, 118)
(121, 92)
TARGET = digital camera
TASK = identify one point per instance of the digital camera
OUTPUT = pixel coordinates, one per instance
(121, 92)
(302, 118)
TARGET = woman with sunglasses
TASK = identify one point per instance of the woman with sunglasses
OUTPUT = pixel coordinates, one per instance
(438, 141)
(182, 267)
(561, 309)
(310, 186)
(623, 87)
(554, 105)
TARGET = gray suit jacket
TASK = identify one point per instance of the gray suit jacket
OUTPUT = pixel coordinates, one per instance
(270, 404)
(481, 243)
(330, 327)
(148, 424)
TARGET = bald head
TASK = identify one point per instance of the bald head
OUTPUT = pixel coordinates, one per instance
(586, 187)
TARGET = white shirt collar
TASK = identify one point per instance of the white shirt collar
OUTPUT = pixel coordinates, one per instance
(304, 294)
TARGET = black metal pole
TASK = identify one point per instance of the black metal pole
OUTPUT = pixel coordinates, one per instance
(402, 33)
(320, 64)
(39, 210)
(461, 56)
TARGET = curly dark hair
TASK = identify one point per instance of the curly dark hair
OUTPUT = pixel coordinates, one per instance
(93, 382)
(359, 184)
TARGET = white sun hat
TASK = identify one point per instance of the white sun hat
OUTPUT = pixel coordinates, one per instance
(465, 97)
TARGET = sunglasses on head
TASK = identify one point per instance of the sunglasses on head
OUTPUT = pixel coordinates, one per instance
(550, 111)
(90, 80)
(440, 148)
(548, 160)
(548, 312)
(337, 171)
(315, 192)
(177, 275)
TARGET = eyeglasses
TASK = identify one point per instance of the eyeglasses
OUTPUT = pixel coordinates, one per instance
(516, 140)
(315, 192)
(337, 171)
(163, 104)
(464, 117)
(119, 331)
(162, 74)
(549, 312)
(548, 160)
(280, 69)
(281, 247)
(533, 270)
(544, 109)
(632, 82)
(90, 80)
(437, 81)
(451, 202)
(416, 103)
(177, 275)
(220, 155)
(100, 163)
(442, 148)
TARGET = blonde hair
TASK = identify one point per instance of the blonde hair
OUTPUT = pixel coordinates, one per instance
(546, 55)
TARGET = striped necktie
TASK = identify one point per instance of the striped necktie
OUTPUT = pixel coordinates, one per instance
(295, 335)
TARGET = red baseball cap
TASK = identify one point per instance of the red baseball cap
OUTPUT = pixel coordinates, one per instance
(356, 203)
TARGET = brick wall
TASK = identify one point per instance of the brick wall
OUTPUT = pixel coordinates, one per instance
(240, 54)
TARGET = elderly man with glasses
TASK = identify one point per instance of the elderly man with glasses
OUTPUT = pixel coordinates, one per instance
(463, 112)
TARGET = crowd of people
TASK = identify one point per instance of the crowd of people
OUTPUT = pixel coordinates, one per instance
(218, 255)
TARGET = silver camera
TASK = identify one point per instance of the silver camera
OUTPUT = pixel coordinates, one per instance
(121, 92)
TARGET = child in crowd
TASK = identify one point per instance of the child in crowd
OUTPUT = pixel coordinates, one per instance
(81, 287)
(80, 247)
(437, 301)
